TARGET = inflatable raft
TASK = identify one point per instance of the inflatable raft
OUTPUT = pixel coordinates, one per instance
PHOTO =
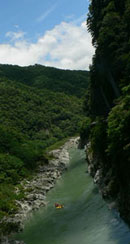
(57, 205)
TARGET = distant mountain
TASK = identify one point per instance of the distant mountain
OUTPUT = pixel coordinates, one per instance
(70, 82)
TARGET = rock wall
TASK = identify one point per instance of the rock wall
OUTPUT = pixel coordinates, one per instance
(101, 177)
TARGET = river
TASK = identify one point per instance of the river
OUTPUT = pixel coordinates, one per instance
(85, 218)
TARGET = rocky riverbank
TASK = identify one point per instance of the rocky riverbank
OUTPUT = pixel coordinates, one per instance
(37, 188)
(103, 181)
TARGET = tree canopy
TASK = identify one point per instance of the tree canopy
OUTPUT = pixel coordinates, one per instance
(39, 106)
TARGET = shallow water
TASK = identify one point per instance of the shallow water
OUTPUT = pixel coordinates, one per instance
(85, 218)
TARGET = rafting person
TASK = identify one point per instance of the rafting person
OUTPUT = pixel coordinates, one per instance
(57, 205)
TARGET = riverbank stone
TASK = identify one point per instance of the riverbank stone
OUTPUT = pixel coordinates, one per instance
(37, 188)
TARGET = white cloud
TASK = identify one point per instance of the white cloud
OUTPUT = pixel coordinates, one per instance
(46, 13)
(16, 26)
(66, 46)
(15, 35)
(80, 19)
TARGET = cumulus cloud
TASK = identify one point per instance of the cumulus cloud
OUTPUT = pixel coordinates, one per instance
(15, 35)
(66, 46)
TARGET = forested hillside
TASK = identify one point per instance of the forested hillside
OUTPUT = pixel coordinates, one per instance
(66, 81)
(39, 106)
(107, 102)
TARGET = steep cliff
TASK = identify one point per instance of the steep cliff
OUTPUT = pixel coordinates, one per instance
(108, 101)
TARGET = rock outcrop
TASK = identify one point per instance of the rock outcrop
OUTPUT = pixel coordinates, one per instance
(103, 180)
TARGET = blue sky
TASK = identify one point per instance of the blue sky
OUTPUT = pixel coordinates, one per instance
(45, 32)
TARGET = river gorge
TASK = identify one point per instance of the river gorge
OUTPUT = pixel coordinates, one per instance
(85, 218)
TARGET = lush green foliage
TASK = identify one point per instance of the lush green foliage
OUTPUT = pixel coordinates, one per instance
(108, 101)
(118, 138)
(109, 24)
(66, 81)
(39, 107)
(85, 128)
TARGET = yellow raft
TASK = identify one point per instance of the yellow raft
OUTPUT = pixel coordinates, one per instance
(60, 206)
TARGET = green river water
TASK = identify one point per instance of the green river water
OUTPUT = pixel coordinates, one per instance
(85, 218)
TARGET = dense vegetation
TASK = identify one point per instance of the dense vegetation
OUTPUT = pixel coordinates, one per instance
(66, 81)
(38, 107)
(107, 101)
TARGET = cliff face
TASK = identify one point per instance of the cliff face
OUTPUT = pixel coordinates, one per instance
(108, 183)
(108, 101)
(108, 154)
(109, 24)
